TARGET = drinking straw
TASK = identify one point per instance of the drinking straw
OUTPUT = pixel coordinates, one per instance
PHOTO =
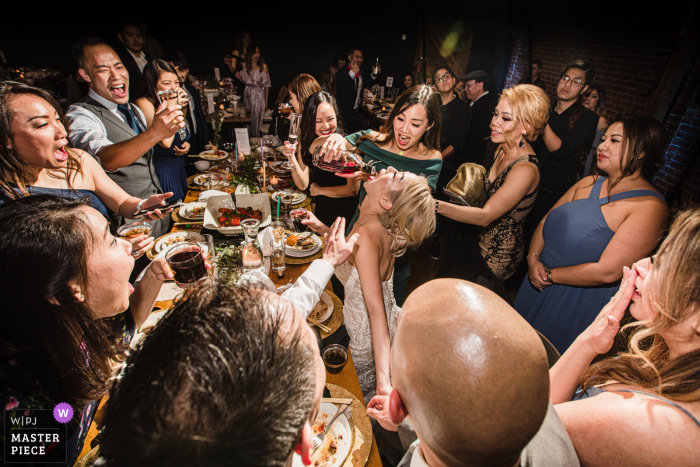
(262, 158)
(278, 204)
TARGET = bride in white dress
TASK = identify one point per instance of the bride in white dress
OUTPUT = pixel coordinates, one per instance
(397, 213)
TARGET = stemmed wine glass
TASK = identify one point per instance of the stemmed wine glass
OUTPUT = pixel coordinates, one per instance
(168, 95)
(294, 123)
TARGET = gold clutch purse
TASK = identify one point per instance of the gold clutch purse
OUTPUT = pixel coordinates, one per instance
(468, 187)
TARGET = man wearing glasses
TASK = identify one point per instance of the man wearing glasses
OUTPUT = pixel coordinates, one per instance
(455, 116)
(568, 136)
(476, 87)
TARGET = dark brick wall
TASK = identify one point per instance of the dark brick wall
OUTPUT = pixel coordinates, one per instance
(629, 58)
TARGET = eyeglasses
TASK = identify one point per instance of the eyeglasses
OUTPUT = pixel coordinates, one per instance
(442, 78)
(566, 79)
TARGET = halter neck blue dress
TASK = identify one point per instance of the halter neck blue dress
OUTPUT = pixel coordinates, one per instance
(62, 193)
(574, 233)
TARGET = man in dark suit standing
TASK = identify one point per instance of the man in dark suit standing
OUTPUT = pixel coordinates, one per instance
(133, 56)
(351, 81)
(476, 85)
(196, 123)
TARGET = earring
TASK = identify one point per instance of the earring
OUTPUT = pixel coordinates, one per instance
(522, 142)
(82, 297)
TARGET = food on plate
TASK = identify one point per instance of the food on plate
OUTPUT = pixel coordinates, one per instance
(233, 217)
(228, 262)
(304, 243)
(292, 240)
(135, 232)
(319, 310)
(196, 211)
(212, 155)
(173, 240)
(325, 455)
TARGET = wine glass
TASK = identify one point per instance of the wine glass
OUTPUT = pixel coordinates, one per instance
(294, 123)
(167, 96)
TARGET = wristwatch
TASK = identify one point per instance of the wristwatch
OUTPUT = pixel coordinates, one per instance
(549, 275)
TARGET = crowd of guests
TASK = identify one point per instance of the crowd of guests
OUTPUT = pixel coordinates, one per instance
(454, 374)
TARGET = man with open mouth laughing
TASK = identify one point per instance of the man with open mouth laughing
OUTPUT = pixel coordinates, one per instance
(112, 130)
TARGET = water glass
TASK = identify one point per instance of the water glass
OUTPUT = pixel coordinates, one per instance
(278, 228)
(207, 243)
(277, 256)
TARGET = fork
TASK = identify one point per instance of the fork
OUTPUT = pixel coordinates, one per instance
(318, 439)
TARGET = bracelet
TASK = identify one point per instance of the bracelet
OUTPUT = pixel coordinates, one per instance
(437, 206)
(549, 275)
(140, 205)
(533, 254)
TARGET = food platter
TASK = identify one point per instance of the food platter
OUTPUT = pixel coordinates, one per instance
(257, 202)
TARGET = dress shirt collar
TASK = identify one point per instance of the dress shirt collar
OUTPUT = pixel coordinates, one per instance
(472, 102)
(112, 106)
(140, 56)
(417, 459)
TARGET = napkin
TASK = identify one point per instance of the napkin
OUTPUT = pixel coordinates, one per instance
(264, 238)
(242, 189)
(203, 196)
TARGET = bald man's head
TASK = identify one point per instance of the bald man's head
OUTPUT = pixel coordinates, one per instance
(471, 372)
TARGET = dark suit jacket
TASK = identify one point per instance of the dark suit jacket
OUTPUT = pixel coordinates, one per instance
(347, 94)
(134, 71)
(479, 131)
(201, 137)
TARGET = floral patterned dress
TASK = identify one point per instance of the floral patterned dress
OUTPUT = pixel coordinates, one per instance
(20, 391)
(254, 97)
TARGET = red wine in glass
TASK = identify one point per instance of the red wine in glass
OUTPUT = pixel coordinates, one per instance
(187, 264)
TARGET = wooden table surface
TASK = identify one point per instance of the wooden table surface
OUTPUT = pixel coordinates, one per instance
(347, 378)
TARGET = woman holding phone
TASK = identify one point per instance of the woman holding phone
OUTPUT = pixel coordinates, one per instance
(168, 155)
(35, 159)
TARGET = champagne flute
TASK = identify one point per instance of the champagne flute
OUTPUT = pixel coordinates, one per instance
(294, 124)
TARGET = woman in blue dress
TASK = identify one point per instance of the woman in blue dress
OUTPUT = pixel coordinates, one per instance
(169, 154)
(601, 224)
(35, 159)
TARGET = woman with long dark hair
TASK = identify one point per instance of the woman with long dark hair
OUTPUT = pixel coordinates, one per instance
(334, 197)
(169, 154)
(642, 406)
(594, 99)
(35, 158)
(257, 87)
(67, 311)
(600, 225)
(409, 141)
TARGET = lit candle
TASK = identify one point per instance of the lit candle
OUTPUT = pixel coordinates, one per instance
(221, 106)
(251, 257)
(274, 180)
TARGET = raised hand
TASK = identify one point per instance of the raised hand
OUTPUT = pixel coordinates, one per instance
(600, 335)
(140, 244)
(157, 200)
(337, 250)
(333, 147)
(314, 224)
(167, 120)
(378, 409)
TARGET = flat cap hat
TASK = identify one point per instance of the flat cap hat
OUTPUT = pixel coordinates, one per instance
(478, 74)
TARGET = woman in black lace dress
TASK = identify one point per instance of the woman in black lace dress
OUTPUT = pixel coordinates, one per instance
(493, 251)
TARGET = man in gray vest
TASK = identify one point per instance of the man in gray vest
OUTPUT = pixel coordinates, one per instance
(113, 131)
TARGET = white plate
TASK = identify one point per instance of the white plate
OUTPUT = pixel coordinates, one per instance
(304, 254)
(298, 196)
(211, 215)
(281, 166)
(186, 210)
(162, 242)
(201, 179)
(341, 428)
(325, 298)
(317, 241)
(211, 156)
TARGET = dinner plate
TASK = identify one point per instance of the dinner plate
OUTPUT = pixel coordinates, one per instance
(301, 254)
(340, 430)
(172, 238)
(298, 196)
(211, 155)
(295, 249)
(201, 179)
(327, 300)
(281, 166)
(186, 211)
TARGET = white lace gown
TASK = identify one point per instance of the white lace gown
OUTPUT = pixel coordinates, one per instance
(357, 324)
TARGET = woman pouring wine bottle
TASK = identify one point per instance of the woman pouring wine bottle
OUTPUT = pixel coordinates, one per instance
(409, 142)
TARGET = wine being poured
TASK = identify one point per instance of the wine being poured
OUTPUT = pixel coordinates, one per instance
(346, 163)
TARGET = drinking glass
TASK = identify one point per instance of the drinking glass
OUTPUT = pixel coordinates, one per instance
(294, 123)
(278, 228)
(287, 199)
(187, 263)
(297, 215)
(252, 253)
(335, 357)
(277, 256)
(168, 96)
(207, 243)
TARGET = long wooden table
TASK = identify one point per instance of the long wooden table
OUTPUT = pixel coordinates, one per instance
(346, 379)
